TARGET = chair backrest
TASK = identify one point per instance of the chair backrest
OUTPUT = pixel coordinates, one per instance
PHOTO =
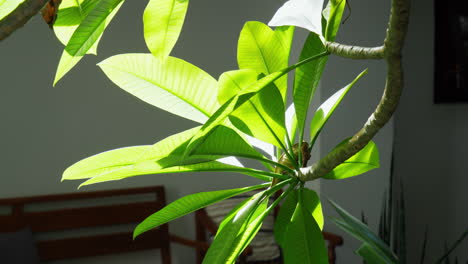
(122, 210)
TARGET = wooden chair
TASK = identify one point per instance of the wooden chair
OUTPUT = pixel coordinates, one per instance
(80, 217)
(205, 225)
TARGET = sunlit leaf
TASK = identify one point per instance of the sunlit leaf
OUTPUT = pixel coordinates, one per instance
(234, 224)
(283, 219)
(336, 9)
(172, 84)
(264, 50)
(147, 168)
(303, 240)
(365, 160)
(301, 13)
(7, 6)
(186, 205)
(262, 116)
(164, 156)
(310, 202)
(307, 78)
(86, 35)
(235, 102)
(327, 108)
(163, 20)
(71, 13)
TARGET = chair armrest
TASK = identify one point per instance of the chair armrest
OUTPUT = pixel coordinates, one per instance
(200, 244)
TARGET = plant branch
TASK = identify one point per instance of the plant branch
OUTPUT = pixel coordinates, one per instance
(20, 16)
(355, 52)
(393, 44)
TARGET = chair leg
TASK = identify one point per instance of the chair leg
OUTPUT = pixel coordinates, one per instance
(200, 236)
(166, 255)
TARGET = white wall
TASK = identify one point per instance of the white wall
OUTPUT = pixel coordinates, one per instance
(46, 129)
(431, 148)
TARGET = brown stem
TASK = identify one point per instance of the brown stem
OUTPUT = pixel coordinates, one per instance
(393, 44)
(20, 16)
(355, 52)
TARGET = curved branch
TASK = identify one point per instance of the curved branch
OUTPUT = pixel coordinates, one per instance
(355, 52)
(393, 44)
(20, 16)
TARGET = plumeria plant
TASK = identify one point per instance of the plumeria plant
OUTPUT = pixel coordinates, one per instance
(244, 114)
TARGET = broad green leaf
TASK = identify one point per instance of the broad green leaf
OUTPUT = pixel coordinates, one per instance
(228, 107)
(163, 20)
(222, 247)
(303, 241)
(235, 102)
(283, 219)
(264, 50)
(365, 160)
(262, 116)
(301, 13)
(7, 6)
(71, 13)
(86, 35)
(172, 84)
(164, 156)
(147, 168)
(360, 231)
(336, 9)
(128, 156)
(370, 255)
(307, 78)
(310, 202)
(324, 112)
(186, 205)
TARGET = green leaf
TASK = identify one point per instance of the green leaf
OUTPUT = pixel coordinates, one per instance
(304, 14)
(186, 205)
(172, 84)
(370, 255)
(221, 250)
(147, 168)
(324, 112)
(365, 160)
(336, 8)
(8, 6)
(307, 78)
(86, 35)
(360, 231)
(163, 20)
(262, 116)
(235, 102)
(70, 15)
(310, 202)
(264, 50)
(283, 219)
(165, 156)
(303, 241)
(128, 156)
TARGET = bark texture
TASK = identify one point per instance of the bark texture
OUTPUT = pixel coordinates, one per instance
(391, 52)
(20, 16)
